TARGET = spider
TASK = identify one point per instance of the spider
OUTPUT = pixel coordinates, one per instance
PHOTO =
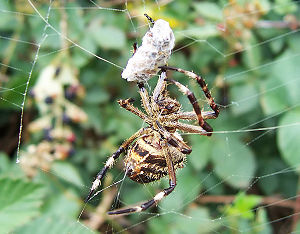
(158, 150)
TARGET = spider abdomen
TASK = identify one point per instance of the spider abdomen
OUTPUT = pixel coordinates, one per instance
(145, 161)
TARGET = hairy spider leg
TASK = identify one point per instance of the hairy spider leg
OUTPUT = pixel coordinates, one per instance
(126, 104)
(158, 90)
(149, 19)
(159, 196)
(145, 98)
(195, 105)
(160, 87)
(190, 115)
(186, 127)
(110, 161)
(173, 140)
(202, 84)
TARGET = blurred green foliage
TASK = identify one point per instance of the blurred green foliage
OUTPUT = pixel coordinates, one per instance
(253, 73)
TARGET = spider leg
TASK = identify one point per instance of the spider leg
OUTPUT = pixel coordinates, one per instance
(160, 87)
(150, 19)
(190, 115)
(126, 104)
(110, 161)
(202, 84)
(173, 140)
(159, 196)
(196, 106)
(134, 47)
(145, 98)
(187, 127)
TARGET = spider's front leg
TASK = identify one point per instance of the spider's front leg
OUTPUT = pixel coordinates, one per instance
(145, 98)
(126, 104)
(195, 105)
(159, 196)
(202, 84)
(110, 161)
(149, 19)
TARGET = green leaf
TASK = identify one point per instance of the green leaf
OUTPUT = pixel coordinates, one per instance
(252, 57)
(269, 167)
(209, 10)
(200, 33)
(293, 41)
(133, 193)
(79, 56)
(195, 218)
(287, 71)
(108, 37)
(234, 162)
(284, 7)
(8, 21)
(288, 137)
(277, 45)
(4, 162)
(159, 226)
(63, 204)
(96, 95)
(67, 172)
(274, 99)
(95, 117)
(244, 204)
(53, 224)
(244, 98)
(281, 89)
(262, 224)
(201, 153)
(19, 202)
(199, 219)
(187, 190)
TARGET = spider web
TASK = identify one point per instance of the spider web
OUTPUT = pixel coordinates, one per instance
(16, 96)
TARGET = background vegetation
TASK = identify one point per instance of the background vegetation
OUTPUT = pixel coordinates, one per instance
(235, 181)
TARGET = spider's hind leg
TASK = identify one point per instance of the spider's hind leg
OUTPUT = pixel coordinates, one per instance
(159, 196)
(110, 161)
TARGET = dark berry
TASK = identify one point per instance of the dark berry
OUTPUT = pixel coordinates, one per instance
(66, 119)
(31, 93)
(70, 95)
(71, 152)
(71, 92)
(57, 71)
(49, 100)
(47, 134)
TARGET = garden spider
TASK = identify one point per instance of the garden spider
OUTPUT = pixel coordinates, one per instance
(158, 150)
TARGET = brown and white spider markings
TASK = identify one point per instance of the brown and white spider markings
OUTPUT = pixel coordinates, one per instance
(158, 150)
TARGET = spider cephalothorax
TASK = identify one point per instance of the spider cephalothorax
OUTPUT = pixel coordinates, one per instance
(158, 150)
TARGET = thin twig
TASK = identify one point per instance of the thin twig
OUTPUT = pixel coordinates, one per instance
(274, 201)
(98, 217)
(289, 23)
(296, 209)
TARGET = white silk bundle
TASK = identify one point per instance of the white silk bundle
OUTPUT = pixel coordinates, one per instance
(154, 52)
